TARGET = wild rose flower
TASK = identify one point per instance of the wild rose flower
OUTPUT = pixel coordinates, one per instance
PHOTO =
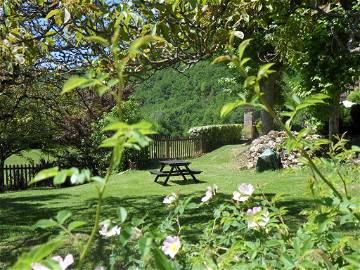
(106, 232)
(257, 218)
(64, 263)
(20, 59)
(38, 266)
(171, 246)
(211, 191)
(243, 193)
(170, 198)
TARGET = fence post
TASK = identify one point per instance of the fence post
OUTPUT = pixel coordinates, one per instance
(167, 145)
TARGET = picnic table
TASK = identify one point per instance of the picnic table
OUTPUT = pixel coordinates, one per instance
(177, 168)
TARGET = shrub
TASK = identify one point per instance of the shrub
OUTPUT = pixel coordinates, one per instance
(215, 136)
(354, 96)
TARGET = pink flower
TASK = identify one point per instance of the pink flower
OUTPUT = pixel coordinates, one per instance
(171, 246)
(106, 231)
(211, 191)
(64, 263)
(257, 218)
(170, 198)
(243, 193)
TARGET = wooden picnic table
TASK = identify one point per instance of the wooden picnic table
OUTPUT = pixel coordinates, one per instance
(177, 168)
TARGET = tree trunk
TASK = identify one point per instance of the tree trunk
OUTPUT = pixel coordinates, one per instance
(269, 89)
(249, 123)
(2, 174)
(334, 117)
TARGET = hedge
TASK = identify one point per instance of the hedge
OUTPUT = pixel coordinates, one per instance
(215, 136)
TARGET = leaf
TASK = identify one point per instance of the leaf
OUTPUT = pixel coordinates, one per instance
(142, 41)
(67, 15)
(52, 13)
(243, 47)
(161, 262)
(60, 177)
(229, 107)
(44, 174)
(72, 83)
(122, 214)
(36, 254)
(45, 223)
(145, 245)
(264, 71)
(62, 216)
(98, 39)
(221, 59)
(76, 224)
(353, 260)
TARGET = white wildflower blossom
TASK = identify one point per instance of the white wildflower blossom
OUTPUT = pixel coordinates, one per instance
(257, 218)
(106, 231)
(171, 246)
(64, 263)
(243, 193)
(170, 198)
(7, 43)
(210, 192)
(20, 59)
(38, 266)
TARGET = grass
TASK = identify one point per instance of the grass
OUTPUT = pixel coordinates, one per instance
(136, 191)
(32, 156)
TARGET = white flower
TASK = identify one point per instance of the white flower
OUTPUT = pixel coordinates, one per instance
(7, 43)
(243, 193)
(20, 59)
(170, 198)
(348, 104)
(171, 246)
(64, 263)
(257, 218)
(211, 191)
(38, 266)
(104, 231)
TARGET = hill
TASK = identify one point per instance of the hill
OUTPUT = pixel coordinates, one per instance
(176, 101)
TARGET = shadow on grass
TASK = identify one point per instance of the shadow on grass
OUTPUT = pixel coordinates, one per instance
(25, 211)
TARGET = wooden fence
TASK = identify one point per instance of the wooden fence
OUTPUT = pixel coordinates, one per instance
(172, 148)
(14, 177)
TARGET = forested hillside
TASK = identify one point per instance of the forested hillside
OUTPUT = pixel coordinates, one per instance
(176, 101)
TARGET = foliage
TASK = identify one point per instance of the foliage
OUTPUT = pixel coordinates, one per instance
(264, 240)
(354, 96)
(214, 136)
(175, 101)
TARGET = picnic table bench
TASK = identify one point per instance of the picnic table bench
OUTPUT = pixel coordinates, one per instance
(177, 168)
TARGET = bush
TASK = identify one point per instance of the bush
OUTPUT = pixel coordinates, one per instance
(354, 96)
(215, 136)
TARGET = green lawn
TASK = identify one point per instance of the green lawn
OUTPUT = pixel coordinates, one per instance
(33, 156)
(136, 191)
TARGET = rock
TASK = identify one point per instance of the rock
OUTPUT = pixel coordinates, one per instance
(274, 141)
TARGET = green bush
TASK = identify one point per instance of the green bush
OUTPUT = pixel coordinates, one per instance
(354, 96)
(215, 136)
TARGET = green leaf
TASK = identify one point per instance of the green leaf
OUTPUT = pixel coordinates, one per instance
(161, 262)
(76, 224)
(265, 71)
(45, 223)
(72, 83)
(229, 107)
(60, 177)
(36, 255)
(44, 174)
(145, 244)
(67, 15)
(52, 13)
(122, 214)
(98, 39)
(354, 260)
(62, 216)
(142, 41)
(242, 47)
